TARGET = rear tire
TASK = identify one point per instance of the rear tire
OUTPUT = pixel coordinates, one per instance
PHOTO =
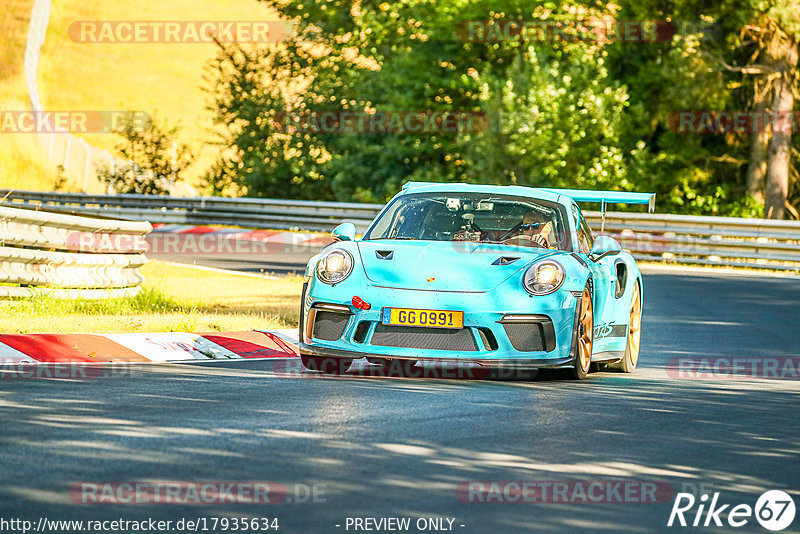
(631, 357)
(583, 337)
(326, 365)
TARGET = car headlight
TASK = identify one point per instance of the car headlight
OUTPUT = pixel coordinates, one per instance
(334, 266)
(543, 277)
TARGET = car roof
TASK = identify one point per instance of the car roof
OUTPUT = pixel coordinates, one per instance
(511, 190)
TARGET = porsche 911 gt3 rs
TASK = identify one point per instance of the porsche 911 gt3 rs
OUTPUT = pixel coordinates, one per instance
(500, 276)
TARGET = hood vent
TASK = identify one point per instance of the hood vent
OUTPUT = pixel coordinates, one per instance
(384, 254)
(505, 260)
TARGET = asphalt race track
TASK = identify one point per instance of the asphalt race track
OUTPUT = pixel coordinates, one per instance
(402, 447)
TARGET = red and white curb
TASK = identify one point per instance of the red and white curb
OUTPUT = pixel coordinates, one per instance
(155, 347)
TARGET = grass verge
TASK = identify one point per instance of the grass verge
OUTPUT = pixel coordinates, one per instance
(174, 298)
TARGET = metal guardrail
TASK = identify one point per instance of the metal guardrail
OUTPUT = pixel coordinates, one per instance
(245, 212)
(69, 256)
(729, 241)
(755, 243)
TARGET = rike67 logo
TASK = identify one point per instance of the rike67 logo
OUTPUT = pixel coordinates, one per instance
(774, 510)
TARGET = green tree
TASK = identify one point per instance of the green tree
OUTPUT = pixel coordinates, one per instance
(554, 113)
(563, 113)
(747, 63)
(154, 159)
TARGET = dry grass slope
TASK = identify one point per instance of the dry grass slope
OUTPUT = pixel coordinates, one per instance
(22, 163)
(161, 78)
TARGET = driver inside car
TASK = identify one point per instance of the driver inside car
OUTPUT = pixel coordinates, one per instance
(536, 227)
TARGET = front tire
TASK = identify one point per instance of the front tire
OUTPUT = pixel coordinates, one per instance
(583, 338)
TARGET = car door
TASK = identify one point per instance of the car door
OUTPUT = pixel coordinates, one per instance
(602, 275)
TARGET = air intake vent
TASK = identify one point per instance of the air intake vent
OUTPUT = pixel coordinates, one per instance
(384, 254)
(525, 337)
(530, 332)
(411, 337)
(505, 260)
(329, 326)
(361, 332)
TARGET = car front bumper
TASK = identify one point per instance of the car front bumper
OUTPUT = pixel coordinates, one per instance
(487, 333)
(504, 363)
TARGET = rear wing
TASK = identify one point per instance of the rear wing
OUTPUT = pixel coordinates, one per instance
(607, 197)
(578, 195)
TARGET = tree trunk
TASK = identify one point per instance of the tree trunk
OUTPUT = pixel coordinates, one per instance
(757, 167)
(780, 146)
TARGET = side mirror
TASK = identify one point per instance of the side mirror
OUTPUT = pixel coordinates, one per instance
(344, 232)
(604, 246)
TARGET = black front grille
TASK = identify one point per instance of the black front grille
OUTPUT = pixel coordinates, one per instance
(329, 326)
(361, 332)
(525, 337)
(411, 337)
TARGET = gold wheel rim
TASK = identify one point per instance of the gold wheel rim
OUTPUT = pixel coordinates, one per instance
(635, 326)
(586, 332)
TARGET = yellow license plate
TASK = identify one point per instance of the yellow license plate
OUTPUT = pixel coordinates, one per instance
(426, 318)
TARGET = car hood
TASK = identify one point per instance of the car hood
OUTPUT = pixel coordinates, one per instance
(443, 265)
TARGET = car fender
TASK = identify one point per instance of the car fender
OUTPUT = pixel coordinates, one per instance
(623, 302)
(312, 264)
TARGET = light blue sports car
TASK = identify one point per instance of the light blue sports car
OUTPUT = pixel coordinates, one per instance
(500, 276)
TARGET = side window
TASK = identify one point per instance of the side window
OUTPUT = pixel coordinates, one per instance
(585, 238)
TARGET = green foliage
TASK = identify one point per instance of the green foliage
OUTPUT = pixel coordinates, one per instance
(560, 118)
(565, 114)
(155, 159)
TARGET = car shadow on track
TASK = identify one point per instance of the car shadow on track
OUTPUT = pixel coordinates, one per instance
(399, 369)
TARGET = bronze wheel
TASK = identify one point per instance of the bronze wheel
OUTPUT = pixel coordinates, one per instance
(631, 358)
(584, 335)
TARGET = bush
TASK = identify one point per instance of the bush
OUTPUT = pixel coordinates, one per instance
(155, 159)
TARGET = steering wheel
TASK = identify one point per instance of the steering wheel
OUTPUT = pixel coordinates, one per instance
(510, 232)
(537, 240)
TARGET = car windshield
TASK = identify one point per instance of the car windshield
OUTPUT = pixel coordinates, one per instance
(476, 217)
